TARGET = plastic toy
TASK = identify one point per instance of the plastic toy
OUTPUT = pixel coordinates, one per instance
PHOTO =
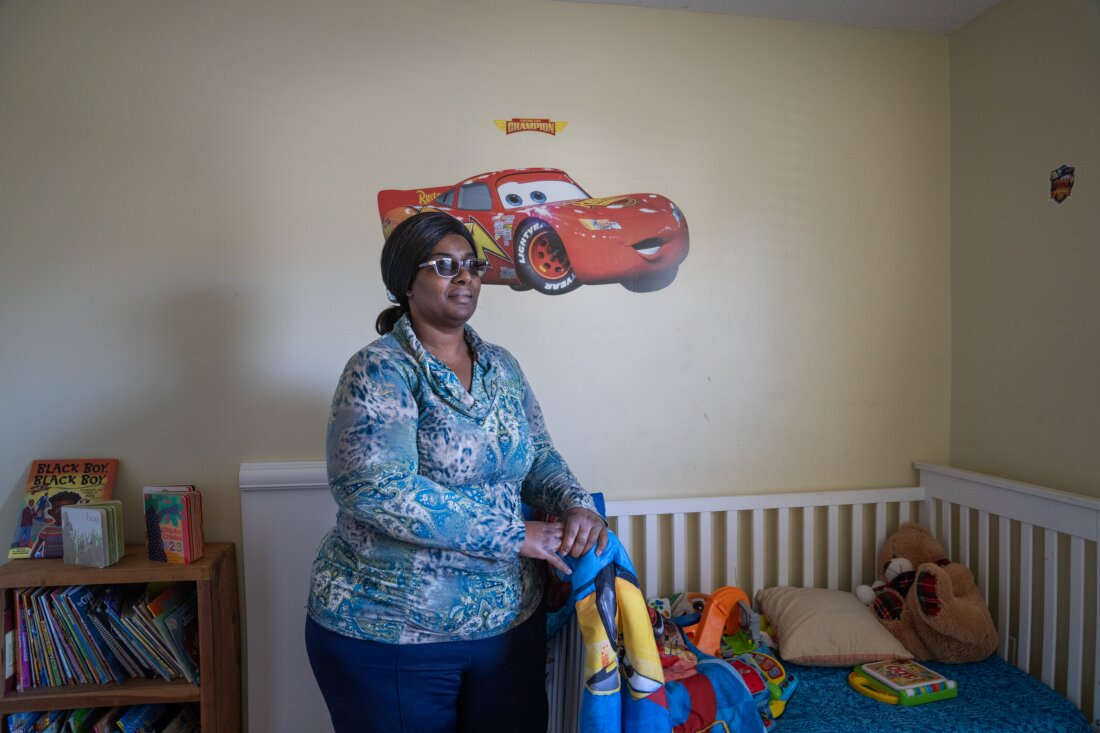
(719, 619)
(755, 632)
(901, 683)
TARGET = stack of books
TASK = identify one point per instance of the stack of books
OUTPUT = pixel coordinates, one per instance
(153, 716)
(902, 682)
(91, 533)
(95, 634)
(173, 523)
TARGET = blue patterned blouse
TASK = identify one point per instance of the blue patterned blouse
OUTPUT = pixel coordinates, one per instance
(428, 479)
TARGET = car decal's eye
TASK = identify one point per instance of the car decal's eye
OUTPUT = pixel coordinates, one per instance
(538, 197)
(513, 199)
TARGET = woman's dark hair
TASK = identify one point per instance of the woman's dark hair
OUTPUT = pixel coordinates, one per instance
(408, 245)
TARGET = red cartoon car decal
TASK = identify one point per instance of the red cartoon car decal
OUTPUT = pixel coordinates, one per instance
(540, 230)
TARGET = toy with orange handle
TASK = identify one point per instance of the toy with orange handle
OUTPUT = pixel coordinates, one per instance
(721, 616)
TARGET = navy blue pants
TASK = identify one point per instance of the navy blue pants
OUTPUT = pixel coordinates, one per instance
(494, 685)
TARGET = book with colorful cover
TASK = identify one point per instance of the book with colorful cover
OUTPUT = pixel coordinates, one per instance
(74, 670)
(903, 682)
(84, 650)
(116, 650)
(50, 671)
(173, 521)
(81, 720)
(52, 484)
(107, 607)
(175, 612)
(141, 718)
(902, 674)
(81, 598)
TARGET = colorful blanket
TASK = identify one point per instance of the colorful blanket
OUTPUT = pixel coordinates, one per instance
(625, 687)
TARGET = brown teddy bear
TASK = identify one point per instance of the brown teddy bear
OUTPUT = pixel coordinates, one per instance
(932, 605)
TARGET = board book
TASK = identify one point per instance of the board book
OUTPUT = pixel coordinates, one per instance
(92, 533)
(173, 523)
(902, 681)
(51, 485)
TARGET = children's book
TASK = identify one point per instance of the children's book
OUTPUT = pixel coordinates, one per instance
(901, 674)
(173, 523)
(9, 649)
(51, 485)
(80, 599)
(22, 722)
(141, 718)
(903, 682)
(85, 651)
(175, 612)
(84, 535)
(80, 720)
(107, 720)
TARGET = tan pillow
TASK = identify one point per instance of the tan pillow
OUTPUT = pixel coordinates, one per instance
(826, 628)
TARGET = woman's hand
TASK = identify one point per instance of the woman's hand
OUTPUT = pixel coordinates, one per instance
(583, 530)
(542, 542)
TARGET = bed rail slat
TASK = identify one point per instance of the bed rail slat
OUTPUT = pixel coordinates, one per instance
(947, 533)
(652, 557)
(1096, 647)
(679, 551)
(625, 534)
(1076, 629)
(1004, 599)
(808, 518)
(857, 546)
(1023, 630)
(983, 553)
(880, 527)
(733, 541)
(1050, 604)
(784, 554)
(706, 552)
(758, 558)
(833, 542)
(964, 536)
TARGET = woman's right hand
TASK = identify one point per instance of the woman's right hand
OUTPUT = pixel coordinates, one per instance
(542, 541)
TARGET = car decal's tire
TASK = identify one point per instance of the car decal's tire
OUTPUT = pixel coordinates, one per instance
(541, 259)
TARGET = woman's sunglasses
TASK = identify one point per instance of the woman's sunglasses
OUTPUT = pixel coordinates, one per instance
(448, 267)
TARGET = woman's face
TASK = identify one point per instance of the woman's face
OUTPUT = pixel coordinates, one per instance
(441, 302)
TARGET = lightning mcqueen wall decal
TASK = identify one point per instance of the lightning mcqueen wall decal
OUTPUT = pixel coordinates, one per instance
(541, 231)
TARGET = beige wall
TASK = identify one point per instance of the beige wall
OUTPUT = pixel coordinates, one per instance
(190, 240)
(1025, 99)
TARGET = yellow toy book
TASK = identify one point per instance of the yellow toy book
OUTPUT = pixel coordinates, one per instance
(901, 682)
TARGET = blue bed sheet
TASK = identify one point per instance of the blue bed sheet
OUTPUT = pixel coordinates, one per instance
(994, 697)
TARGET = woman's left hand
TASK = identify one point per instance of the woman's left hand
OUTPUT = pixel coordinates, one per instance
(583, 530)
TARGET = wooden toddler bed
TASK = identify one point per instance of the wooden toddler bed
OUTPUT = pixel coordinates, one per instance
(1033, 552)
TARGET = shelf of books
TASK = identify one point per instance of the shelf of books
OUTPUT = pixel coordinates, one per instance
(133, 635)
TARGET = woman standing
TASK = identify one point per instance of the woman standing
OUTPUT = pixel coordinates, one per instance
(424, 602)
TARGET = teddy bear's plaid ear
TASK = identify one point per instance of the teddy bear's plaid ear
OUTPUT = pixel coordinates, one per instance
(888, 604)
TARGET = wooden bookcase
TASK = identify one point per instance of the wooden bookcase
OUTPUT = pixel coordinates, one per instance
(215, 577)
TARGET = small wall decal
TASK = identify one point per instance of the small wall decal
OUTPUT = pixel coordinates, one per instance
(541, 231)
(1061, 183)
(530, 124)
